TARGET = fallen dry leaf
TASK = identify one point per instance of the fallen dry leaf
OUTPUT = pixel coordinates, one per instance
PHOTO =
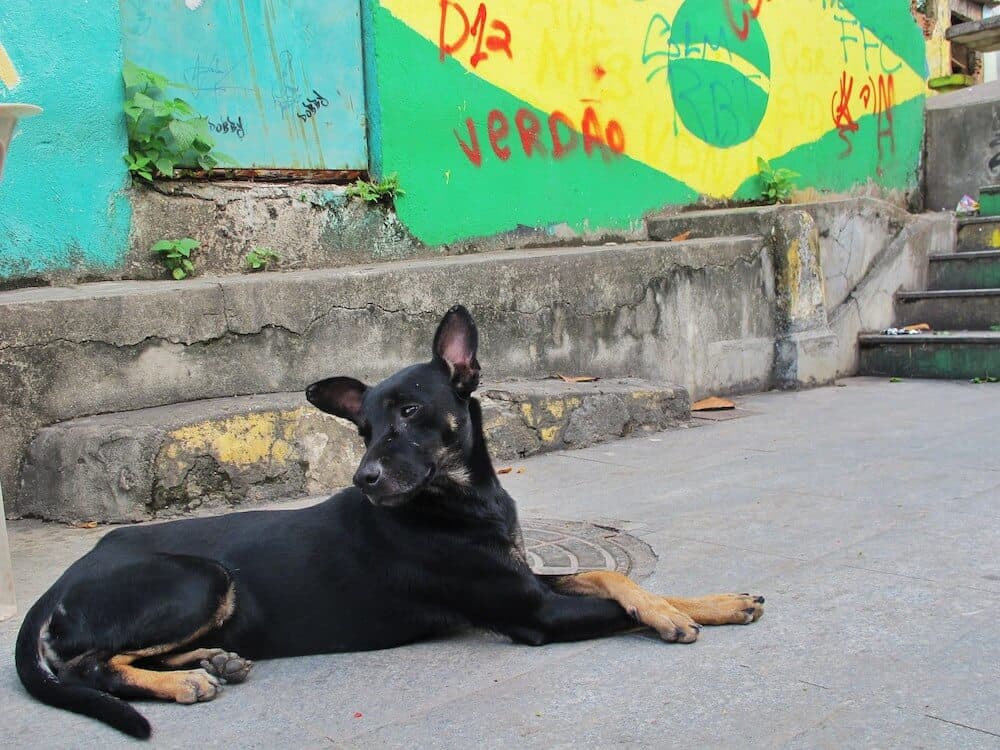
(681, 237)
(505, 470)
(918, 327)
(521, 470)
(713, 404)
(578, 378)
(85, 525)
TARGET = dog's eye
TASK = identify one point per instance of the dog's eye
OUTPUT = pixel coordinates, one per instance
(409, 410)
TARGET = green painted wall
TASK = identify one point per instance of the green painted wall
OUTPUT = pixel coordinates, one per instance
(62, 200)
(833, 89)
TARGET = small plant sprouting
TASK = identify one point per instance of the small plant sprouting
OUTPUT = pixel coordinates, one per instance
(376, 191)
(259, 257)
(163, 133)
(176, 256)
(777, 184)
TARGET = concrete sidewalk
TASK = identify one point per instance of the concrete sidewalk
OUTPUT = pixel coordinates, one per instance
(868, 515)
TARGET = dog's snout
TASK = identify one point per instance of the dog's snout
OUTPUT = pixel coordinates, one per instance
(368, 475)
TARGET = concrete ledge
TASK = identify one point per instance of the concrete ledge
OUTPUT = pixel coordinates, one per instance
(698, 313)
(230, 452)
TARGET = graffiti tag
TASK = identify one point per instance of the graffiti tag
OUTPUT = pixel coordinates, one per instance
(229, 125)
(877, 97)
(495, 42)
(563, 135)
(749, 13)
(312, 105)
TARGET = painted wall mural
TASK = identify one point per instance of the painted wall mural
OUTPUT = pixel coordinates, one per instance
(279, 80)
(62, 199)
(539, 113)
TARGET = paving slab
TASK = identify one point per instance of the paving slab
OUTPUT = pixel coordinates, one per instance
(866, 514)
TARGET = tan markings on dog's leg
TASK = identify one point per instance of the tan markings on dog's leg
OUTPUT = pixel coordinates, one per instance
(649, 609)
(185, 686)
(188, 657)
(722, 609)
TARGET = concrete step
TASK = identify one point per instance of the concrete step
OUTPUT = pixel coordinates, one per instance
(698, 312)
(238, 452)
(969, 270)
(950, 309)
(959, 354)
(982, 35)
(978, 233)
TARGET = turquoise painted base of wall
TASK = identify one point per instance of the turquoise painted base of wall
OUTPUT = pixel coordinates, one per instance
(62, 199)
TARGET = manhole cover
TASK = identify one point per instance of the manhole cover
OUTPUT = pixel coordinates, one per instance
(566, 547)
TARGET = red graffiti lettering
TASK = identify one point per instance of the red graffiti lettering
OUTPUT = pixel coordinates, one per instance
(615, 137)
(564, 135)
(875, 97)
(560, 148)
(742, 28)
(498, 128)
(529, 127)
(592, 135)
(472, 149)
(840, 108)
(498, 42)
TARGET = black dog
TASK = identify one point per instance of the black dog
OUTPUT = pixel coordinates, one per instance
(426, 543)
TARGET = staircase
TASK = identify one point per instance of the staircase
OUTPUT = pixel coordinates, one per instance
(962, 306)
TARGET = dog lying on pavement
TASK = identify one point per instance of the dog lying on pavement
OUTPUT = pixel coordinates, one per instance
(425, 543)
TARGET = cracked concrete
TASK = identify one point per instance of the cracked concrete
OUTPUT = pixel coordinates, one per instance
(866, 514)
(239, 452)
(674, 312)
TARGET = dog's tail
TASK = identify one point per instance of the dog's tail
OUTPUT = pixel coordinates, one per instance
(39, 679)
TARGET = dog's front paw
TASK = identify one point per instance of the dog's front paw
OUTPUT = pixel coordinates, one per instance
(727, 609)
(657, 613)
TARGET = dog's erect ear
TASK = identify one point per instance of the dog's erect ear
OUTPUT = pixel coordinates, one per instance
(341, 397)
(455, 345)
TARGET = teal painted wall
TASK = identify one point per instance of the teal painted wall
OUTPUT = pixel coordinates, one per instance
(280, 81)
(62, 199)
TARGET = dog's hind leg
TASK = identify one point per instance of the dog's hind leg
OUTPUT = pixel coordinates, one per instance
(675, 619)
(114, 617)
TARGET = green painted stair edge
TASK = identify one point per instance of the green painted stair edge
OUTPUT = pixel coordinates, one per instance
(965, 271)
(989, 200)
(947, 360)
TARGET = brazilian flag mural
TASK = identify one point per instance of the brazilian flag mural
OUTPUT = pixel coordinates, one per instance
(591, 113)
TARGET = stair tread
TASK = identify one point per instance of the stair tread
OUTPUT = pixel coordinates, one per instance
(970, 255)
(500, 389)
(964, 221)
(948, 293)
(107, 290)
(937, 337)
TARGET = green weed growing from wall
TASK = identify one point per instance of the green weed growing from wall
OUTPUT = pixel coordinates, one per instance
(176, 256)
(376, 191)
(259, 258)
(776, 184)
(163, 133)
